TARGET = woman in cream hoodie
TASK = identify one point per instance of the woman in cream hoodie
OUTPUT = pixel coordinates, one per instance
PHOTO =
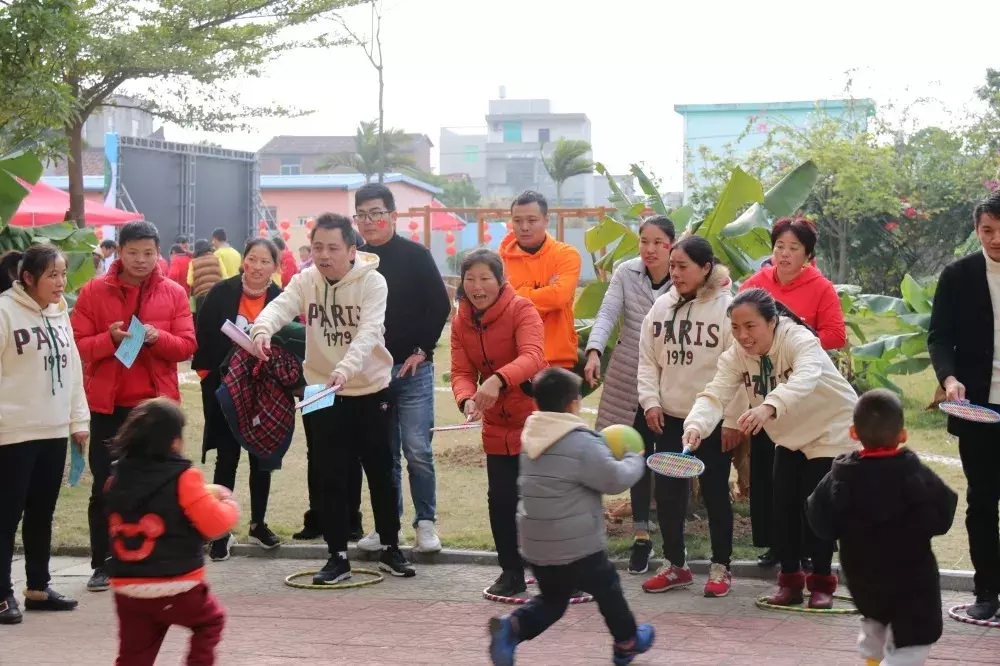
(679, 346)
(798, 397)
(42, 403)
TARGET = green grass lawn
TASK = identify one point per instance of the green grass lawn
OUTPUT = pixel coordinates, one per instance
(462, 513)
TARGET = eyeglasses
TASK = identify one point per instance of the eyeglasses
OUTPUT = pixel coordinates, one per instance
(373, 215)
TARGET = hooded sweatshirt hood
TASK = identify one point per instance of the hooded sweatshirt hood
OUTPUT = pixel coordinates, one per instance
(680, 343)
(41, 376)
(344, 325)
(543, 429)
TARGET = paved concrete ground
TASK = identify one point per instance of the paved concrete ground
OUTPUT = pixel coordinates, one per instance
(439, 617)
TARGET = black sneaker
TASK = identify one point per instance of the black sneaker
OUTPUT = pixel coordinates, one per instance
(986, 606)
(222, 548)
(394, 562)
(261, 535)
(99, 582)
(767, 559)
(53, 602)
(638, 562)
(337, 569)
(9, 612)
(307, 534)
(507, 584)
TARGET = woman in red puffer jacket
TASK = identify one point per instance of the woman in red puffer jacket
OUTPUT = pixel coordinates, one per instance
(497, 347)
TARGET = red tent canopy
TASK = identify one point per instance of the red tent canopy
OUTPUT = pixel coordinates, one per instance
(48, 205)
(444, 221)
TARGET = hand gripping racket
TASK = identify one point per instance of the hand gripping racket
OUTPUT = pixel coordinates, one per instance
(676, 465)
(966, 411)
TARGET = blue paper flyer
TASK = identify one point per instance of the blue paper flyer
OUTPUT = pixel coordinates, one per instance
(316, 396)
(130, 347)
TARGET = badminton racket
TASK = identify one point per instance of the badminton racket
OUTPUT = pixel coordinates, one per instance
(966, 411)
(461, 426)
(676, 465)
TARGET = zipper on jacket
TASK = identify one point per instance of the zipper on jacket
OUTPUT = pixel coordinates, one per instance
(503, 412)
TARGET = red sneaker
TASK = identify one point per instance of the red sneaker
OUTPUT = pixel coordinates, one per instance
(668, 577)
(720, 580)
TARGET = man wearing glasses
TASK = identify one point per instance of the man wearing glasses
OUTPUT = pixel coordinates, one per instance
(416, 312)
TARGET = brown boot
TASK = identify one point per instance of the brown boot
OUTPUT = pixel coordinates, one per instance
(821, 589)
(790, 588)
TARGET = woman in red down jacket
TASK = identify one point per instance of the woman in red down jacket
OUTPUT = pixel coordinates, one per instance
(135, 286)
(793, 279)
(497, 347)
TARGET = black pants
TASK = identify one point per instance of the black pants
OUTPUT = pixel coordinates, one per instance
(312, 520)
(979, 448)
(672, 494)
(30, 478)
(354, 427)
(761, 488)
(593, 574)
(640, 493)
(795, 478)
(227, 452)
(502, 497)
(103, 427)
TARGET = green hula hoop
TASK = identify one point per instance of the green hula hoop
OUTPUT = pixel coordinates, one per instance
(761, 602)
(378, 578)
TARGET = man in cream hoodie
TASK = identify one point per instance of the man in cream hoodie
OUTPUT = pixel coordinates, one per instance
(343, 298)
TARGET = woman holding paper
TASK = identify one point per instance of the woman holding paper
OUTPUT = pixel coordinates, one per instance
(41, 391)
(239, 300)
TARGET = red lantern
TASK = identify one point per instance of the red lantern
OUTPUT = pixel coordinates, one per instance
(449, 238)
(450, 250)
(310, 223)
(487, 238)
(415, 237)
(262, 224)
(263, 233)
(287, 236)
(285, 224)
(413, 225)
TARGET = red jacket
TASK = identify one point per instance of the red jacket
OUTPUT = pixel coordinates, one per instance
(105, 300)
(810, 296)
(289, 267)
(178, 271)
(507, 340)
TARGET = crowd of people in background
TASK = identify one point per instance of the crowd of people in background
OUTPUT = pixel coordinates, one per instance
(696, 368)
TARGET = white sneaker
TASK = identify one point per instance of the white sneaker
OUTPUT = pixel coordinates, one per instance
(370, 543)
(427, 538)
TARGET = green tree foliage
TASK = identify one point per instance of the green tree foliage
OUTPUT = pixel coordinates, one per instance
(365, 157)
(177, 57)
(567, 158)
(459, 194)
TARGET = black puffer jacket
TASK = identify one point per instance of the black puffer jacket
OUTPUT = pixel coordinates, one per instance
(885, 510)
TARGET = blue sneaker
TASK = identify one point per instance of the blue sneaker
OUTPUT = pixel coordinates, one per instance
(502, 641)
(644, 636)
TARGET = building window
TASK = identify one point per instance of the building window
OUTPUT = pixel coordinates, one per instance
(135, 127)
(272, 214)
(471, 154)
(291, 166)
(512, 132)
(543, 135)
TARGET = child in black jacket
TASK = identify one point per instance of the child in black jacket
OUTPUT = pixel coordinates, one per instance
(885, 505)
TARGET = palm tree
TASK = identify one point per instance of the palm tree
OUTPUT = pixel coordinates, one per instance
(364, 159)
(568, 159)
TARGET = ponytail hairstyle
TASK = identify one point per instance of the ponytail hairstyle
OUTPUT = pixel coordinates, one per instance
(34, 261)
(766, 306)
(701, 253)
(663, 223)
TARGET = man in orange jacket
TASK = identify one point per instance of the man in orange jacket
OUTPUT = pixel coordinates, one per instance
(546, 272)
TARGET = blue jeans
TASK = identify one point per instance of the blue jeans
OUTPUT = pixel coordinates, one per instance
(411, 425)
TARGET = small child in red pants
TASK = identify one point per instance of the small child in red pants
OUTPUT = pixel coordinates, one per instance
(160, 514)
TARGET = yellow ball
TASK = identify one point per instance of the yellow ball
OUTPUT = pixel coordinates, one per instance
(621, 439)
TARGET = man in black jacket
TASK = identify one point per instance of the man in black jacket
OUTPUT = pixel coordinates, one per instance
(966, 355)
(416, 312)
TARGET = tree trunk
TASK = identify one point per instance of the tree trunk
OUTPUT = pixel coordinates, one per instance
(74, 132)
(558, 194)
(381, 128)
(842, 255)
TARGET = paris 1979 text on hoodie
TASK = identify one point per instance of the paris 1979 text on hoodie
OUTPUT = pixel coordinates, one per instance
(344, 325)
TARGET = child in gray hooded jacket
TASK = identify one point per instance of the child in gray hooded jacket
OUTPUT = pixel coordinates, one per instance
(565, 468)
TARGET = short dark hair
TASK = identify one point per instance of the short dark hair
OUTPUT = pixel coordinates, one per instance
(333, 221)
(279, 242)
(108, 244)
(202, 247)
(988, 206)
(137, 231)
(484, 256)
(181, 239)
(530, 197)
(176, 249)
(34, 261)
(220, 235)
(878, 419)
(150, 430)
(305, 247)
(372, 191)
(270, 245)
(661, 222)
(555, 389)
(803, 230)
